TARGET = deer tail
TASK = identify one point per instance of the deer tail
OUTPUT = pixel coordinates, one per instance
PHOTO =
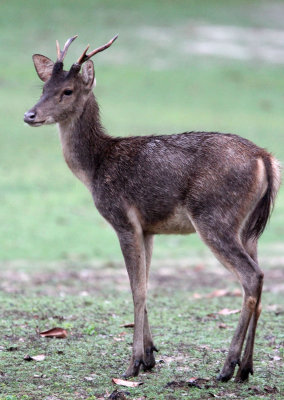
(260, 216)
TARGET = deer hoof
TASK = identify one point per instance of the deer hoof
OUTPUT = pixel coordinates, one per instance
(133, 369)
(224, 377)
(227, 371)
(243, 374)
(149, 358)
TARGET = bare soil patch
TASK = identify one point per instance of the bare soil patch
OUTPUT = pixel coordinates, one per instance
(225, 41)
(94, 277)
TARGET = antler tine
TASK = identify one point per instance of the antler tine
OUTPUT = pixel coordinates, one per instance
(62, 53)
(105, 46)
(58, 50)
(84, 57)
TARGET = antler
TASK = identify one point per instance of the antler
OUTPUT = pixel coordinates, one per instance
(62, 53)
(84, 57)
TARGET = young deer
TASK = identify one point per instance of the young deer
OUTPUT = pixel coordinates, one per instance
(221, 186)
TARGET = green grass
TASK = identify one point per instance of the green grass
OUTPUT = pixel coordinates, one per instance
(97, 349)
(45, 213)
(51, 234)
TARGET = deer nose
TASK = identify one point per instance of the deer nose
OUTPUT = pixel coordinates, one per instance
(29, 116)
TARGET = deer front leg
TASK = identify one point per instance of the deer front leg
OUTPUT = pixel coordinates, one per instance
(149, 346)
(133, 250)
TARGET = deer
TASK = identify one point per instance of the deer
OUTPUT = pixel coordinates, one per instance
(218, 185)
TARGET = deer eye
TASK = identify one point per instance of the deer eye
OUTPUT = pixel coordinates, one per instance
(67, 92)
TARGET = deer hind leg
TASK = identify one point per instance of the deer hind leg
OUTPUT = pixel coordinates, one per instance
(233, 256)
(246, 366)
(149, 346)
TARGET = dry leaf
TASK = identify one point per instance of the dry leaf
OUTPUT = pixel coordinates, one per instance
(131, 325)
(222, 326)
(226, 311)
(211, 315)
(126, 383)
(58, 333)
(89, 378)
(237, 292)
(218, 293)
(121, 337)
(199, 267)
(39, 357)
(224, 292)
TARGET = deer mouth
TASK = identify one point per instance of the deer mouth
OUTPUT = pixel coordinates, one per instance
(36, 123)
(33, 122)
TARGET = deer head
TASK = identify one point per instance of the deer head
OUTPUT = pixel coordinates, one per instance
(64, 92)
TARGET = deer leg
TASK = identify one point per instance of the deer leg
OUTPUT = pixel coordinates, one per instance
(246, 366)
(132, 246)
(233, 256)
(251, 278)
(149, 346)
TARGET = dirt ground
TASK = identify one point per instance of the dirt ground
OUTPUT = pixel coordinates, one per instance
(96, 277)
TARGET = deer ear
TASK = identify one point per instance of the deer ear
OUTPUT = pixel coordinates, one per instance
(43, 66)
(88, 73)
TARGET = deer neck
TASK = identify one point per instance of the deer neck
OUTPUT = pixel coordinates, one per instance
(84, 142)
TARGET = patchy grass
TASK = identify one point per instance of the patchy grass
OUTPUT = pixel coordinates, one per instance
(191, 336)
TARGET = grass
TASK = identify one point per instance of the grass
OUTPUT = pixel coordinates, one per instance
(186, 330)
(61, 263)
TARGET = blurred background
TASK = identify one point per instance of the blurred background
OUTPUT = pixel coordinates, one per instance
(178, 65)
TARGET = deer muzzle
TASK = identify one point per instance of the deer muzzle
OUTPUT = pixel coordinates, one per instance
(30, 118)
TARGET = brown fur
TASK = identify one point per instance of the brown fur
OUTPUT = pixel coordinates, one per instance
(220, 185)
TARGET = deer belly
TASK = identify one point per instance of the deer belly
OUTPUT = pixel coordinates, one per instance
(178, 222)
